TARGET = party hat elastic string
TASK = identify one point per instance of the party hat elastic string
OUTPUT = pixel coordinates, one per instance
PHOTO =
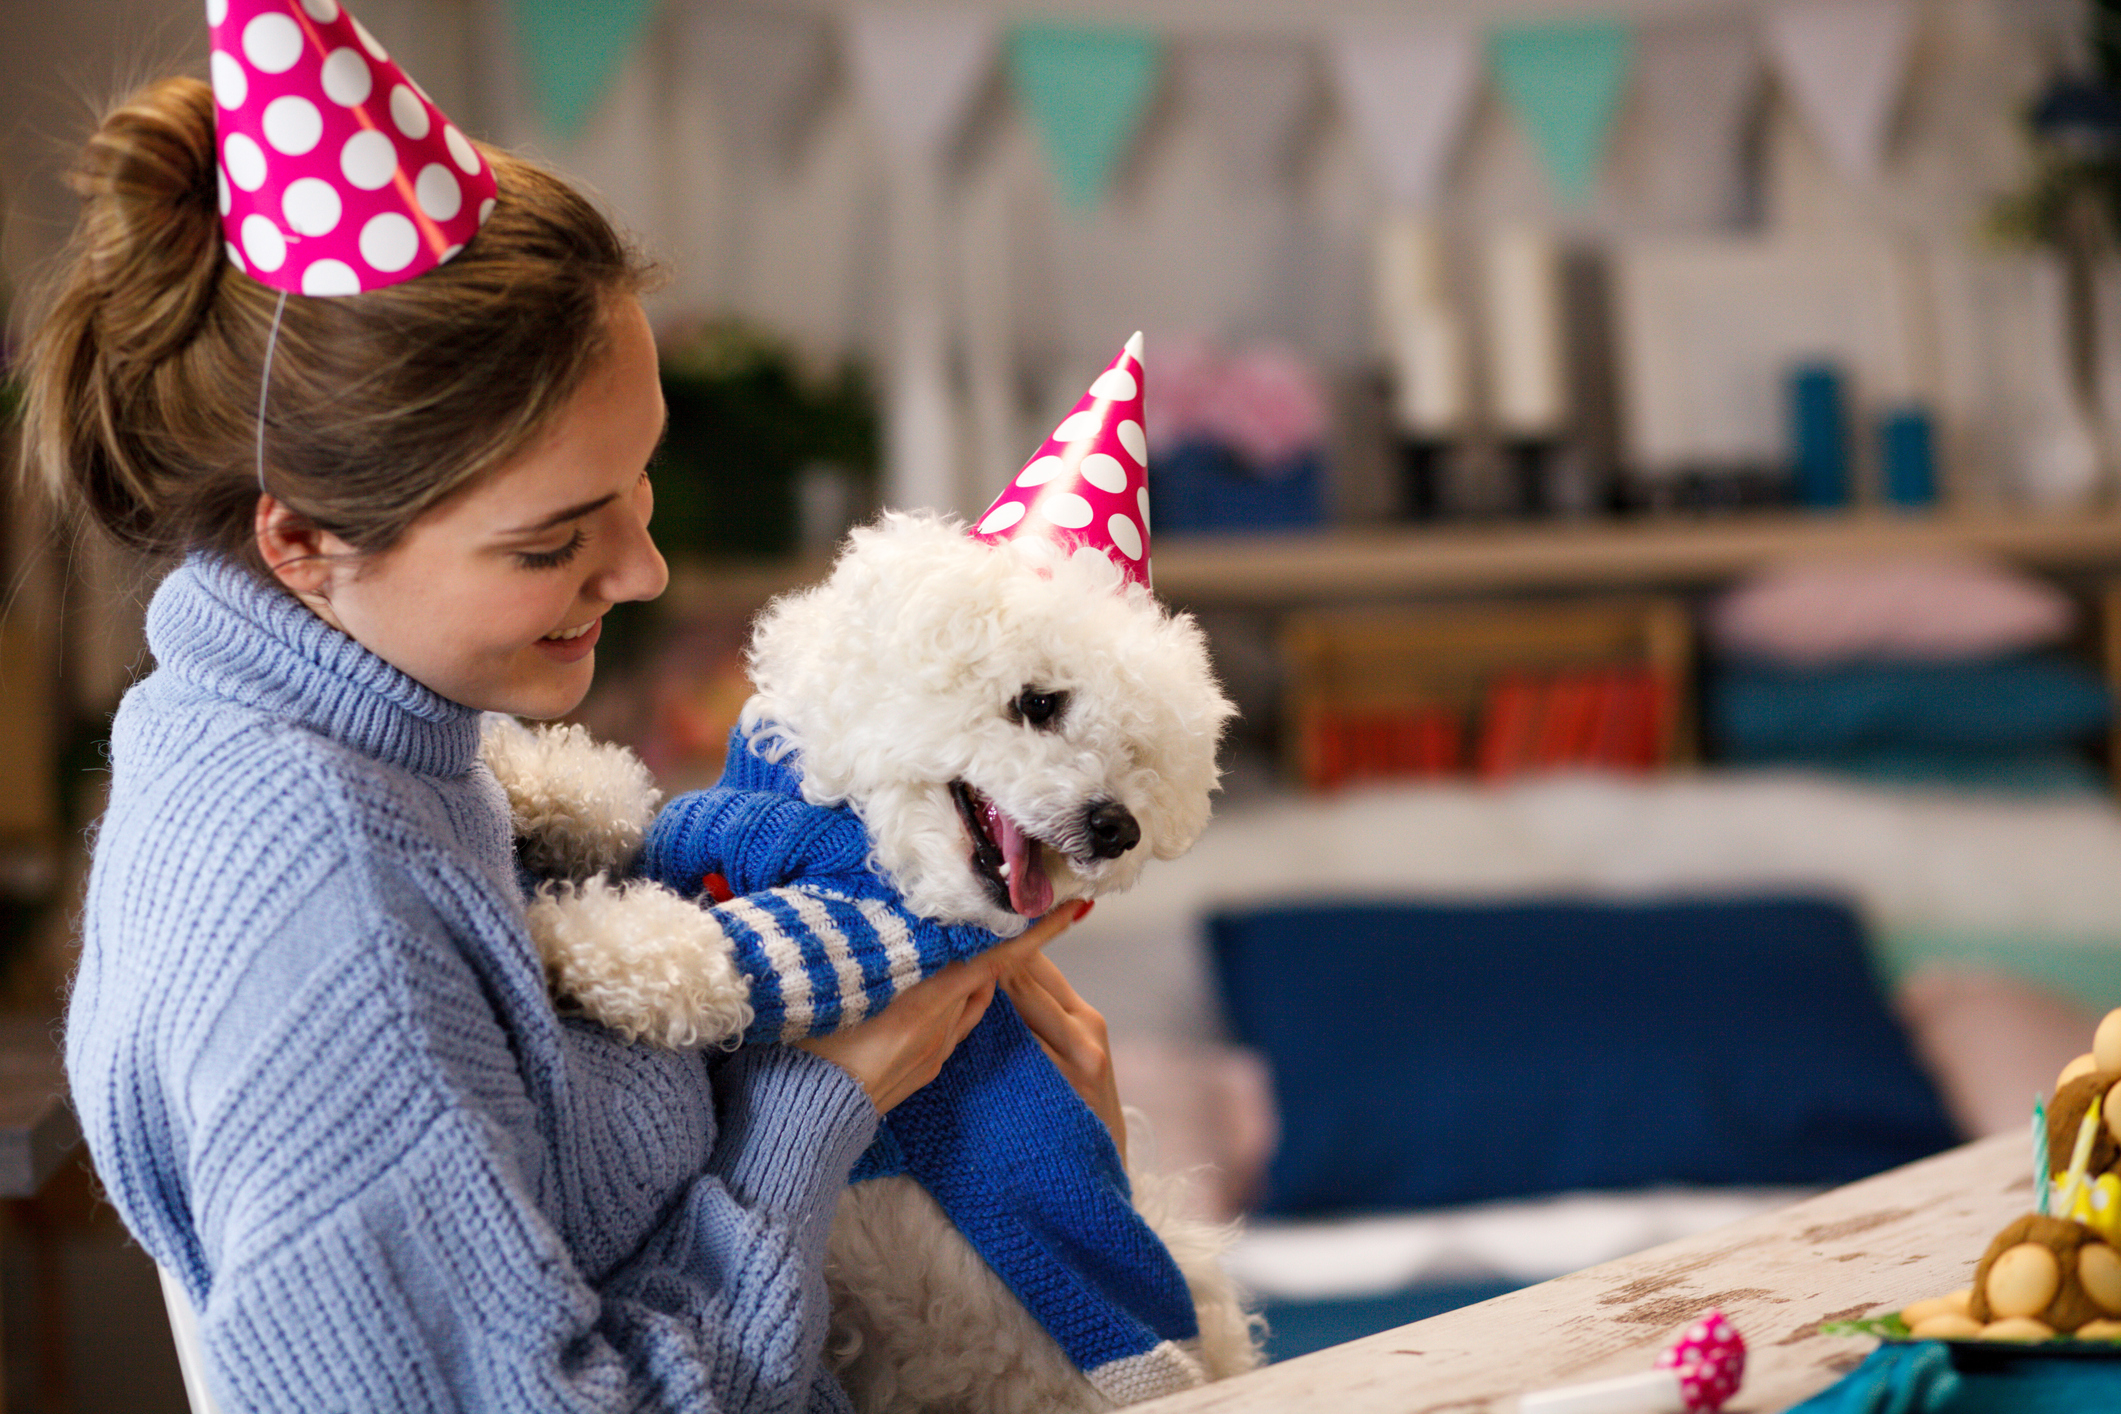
(272, 341)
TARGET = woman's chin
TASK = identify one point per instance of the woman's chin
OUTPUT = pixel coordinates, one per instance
(542, 690)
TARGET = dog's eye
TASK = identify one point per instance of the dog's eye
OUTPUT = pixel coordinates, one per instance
(1038, 707)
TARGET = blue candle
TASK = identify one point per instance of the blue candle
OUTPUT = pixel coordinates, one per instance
(1908, 457)
(1819, 453)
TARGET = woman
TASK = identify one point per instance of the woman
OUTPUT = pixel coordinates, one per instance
(309, 1039)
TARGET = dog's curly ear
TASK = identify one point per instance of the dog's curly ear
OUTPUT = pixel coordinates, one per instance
(647, 962)
(579, 807)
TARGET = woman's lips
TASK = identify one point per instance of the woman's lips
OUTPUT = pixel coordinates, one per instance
(572, 650)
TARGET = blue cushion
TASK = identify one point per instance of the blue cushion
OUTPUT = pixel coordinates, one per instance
(1201, 486)
(1426, 1054)
(1757, 713)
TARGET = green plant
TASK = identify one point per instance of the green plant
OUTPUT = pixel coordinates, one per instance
(745, 420)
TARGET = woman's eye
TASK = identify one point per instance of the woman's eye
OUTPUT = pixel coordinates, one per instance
(553, 559)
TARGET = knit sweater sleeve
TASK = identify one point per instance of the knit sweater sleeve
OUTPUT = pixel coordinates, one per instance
(388, 1243)
(346, 1116)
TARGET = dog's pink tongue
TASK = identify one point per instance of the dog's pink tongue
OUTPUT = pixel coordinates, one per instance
(1030, 891)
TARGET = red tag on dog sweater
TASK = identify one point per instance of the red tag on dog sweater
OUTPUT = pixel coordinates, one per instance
(717, 888)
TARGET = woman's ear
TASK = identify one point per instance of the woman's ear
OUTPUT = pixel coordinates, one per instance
(302, 557)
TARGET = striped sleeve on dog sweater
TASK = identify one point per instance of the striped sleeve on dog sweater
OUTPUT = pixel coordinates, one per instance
(821, 935)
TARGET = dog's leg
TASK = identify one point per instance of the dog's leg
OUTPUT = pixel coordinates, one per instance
(579, 806)
(641, 959)
(921, 1324)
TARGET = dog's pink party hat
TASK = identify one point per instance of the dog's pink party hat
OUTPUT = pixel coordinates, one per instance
(1088, 486)
(338, 173)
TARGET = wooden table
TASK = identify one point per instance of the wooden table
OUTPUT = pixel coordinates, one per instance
(1865, 1249)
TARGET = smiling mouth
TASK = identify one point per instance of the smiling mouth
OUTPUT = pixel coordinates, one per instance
(568, 634)
(1008, 861)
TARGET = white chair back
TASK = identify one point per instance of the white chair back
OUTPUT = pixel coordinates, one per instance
(191, 1355)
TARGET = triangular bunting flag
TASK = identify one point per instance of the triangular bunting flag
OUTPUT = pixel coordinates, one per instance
(1700, 84)
(1254, 96)
(917, 72)
(1409, 95)
(771, 71)
(1565, 82)
(1086, 91)
(1845, 62)
(572, 50)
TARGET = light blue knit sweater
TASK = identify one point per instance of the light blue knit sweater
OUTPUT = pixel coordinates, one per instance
(313, 1055)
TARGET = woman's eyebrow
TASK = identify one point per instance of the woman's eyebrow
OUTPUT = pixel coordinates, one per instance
(561, 517)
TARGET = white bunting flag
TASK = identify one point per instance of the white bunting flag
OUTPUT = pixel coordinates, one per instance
(1845, 62)
(1409, 94)
(917, 72)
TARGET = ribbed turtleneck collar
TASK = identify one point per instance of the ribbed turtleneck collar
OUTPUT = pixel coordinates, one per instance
(213, 624)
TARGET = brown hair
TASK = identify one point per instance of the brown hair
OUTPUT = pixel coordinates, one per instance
(143, 373)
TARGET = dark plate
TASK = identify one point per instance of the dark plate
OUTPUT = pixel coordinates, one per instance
(1991, 1357)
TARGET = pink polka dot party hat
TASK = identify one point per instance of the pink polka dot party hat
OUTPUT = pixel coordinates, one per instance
(337, 173)
(1088, 486)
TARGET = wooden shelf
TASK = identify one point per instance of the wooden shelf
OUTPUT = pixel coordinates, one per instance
(1318, 567)
(1392, 563)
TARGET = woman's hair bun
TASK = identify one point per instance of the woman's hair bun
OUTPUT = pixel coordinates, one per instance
(164, 388)
(150, 232)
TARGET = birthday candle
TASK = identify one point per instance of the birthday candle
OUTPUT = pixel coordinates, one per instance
(2080, 1158)
(2040, 1175)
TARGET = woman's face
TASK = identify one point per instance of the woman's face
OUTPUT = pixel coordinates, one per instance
(495, 599)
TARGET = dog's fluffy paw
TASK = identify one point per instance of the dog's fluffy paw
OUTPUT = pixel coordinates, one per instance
(580, 807)
(646, 962)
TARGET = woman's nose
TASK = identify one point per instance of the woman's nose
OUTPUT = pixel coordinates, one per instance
(637, 569)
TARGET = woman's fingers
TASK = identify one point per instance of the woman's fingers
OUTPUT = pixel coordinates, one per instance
(1072, 1034)
(903, 1047)
(1045, 1013)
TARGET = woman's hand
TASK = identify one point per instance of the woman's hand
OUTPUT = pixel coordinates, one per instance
(1073, 1034)
(903, 1047)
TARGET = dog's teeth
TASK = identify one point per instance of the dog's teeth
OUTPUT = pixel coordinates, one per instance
(1005, 870)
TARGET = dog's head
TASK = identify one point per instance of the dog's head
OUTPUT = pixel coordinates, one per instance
(1016, 726)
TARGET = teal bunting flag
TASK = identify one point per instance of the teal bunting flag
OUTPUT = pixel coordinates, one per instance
(1086, 91)
(1565, 82)
(571, 51)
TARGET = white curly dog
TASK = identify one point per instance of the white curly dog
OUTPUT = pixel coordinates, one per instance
(1016, 726)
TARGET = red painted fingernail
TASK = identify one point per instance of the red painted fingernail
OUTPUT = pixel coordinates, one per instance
(1082, 908)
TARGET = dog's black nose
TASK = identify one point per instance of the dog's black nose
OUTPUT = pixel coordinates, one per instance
(1113, 830)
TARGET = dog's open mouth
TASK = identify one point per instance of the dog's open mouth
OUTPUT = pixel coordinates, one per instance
(1006, 858)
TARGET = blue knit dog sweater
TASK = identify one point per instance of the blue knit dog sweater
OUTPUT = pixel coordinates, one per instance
(1022, 1166)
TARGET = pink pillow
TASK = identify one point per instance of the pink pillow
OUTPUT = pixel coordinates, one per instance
(1991, 1042)
(1920, 610)
(1263, 401)
(1210, 1116)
